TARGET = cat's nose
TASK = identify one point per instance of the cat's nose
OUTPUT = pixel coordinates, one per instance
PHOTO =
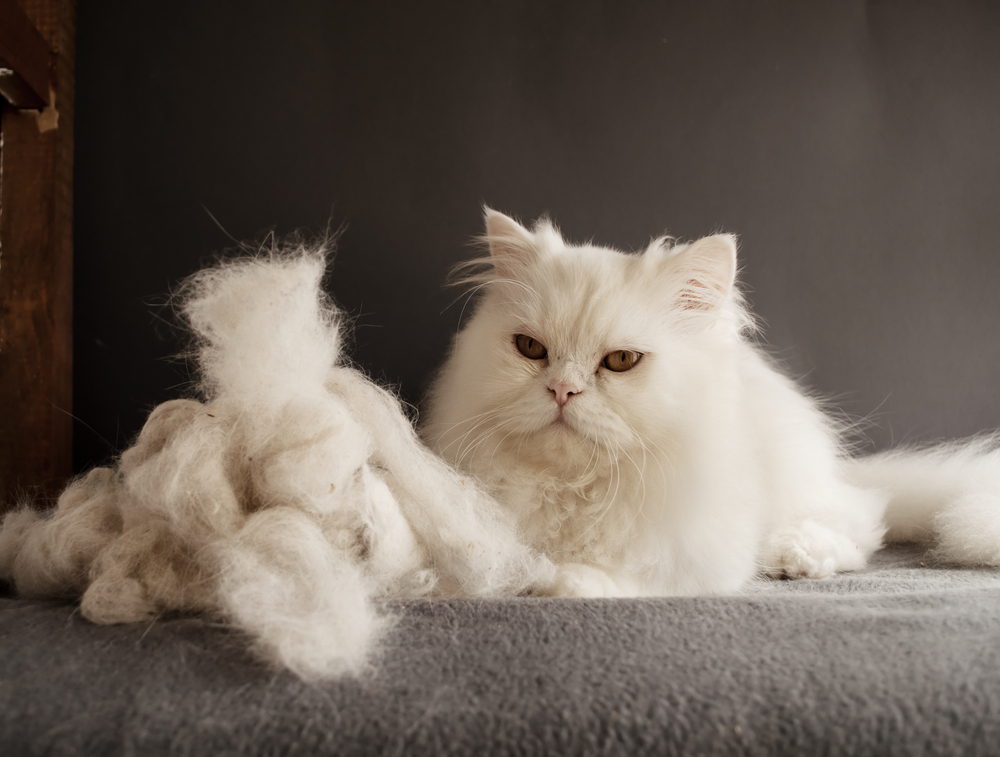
(563, 391)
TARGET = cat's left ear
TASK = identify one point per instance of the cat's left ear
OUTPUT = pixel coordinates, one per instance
(705, 271)
(512, 247)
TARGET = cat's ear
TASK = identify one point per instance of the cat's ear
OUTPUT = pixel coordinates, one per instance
(706, 272)
(512, 247)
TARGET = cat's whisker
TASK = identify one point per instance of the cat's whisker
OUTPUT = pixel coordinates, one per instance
(491, 432)
(463, 440)
(638, 469)
(520, 443)
(640, 472)
(465, 446)
(642, 480)
(473, 447)
(607, 504)
(660, 458)
(482, 418)
(500, 443)
(470, 418)
(469, 294)
(594, 459)
(478, 282)
(617, 478)
(646, 454)
(468, 298)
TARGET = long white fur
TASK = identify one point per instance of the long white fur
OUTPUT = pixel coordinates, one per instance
(948, 495)
(699, 467)
(289, 498)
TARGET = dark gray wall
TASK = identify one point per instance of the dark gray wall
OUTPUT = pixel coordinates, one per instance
(853, 146)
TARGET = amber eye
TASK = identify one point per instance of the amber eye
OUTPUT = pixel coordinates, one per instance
(621, 360)
(529, 347)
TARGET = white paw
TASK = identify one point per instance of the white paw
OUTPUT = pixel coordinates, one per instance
(797, 562)
(579, 580)
(810, 550)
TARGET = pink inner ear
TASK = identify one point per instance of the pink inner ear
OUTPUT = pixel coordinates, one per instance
(709, 270)
(696, 295)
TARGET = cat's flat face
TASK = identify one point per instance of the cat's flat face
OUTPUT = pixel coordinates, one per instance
(578, 347)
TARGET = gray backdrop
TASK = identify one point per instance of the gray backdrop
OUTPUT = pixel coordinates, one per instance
(853, 146)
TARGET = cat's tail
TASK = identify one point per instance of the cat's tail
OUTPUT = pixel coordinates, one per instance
(946, 495)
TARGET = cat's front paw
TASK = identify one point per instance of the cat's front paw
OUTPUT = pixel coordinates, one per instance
(579, 580)
(810, 550)
(797, 562)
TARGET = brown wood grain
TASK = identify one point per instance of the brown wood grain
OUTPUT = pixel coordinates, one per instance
(24, 52)
(36, 280)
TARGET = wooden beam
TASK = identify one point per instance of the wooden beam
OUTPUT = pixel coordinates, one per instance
(36, 278)
(25, 59)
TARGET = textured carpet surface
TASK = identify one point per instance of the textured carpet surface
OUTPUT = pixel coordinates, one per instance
(903, 658)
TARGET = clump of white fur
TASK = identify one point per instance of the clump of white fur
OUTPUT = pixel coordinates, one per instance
(696, 468)
(287, 500)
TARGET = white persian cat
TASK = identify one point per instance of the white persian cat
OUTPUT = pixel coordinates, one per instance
(617, 406)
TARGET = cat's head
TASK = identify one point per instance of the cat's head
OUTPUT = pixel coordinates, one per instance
(584, 344)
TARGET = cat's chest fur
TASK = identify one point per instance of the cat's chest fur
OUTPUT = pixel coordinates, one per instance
(571, 506)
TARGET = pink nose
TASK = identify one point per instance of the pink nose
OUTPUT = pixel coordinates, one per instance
(563, 392)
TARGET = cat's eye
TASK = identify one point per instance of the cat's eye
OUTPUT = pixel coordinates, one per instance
(620, 361)
(530, 347)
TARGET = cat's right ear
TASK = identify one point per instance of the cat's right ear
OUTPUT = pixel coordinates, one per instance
(701, 275)
(708, 271)
(512, 247)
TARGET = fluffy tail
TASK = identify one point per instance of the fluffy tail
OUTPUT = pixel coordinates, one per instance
(947, 495)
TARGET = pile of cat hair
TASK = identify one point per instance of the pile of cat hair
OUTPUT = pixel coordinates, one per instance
(286, 501)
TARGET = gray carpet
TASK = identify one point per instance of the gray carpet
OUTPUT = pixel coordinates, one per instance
(899, 659)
